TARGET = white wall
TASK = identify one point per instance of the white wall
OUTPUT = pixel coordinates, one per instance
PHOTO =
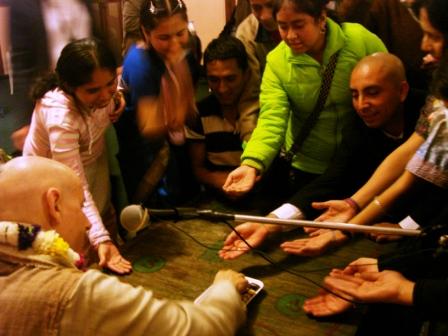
(209, 17)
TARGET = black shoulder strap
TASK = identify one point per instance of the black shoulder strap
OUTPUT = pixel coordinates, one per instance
(305, 130)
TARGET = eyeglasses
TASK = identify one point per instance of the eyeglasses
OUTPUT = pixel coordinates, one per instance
(155, 11)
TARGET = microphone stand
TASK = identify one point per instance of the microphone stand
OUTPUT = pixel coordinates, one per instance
(216, 215)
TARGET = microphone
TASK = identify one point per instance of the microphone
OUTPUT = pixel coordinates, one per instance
(135, 218)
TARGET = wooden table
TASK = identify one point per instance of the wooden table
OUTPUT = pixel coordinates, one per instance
(177, 266)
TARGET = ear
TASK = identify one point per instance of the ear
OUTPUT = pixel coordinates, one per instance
(53, 200)
(404, 90)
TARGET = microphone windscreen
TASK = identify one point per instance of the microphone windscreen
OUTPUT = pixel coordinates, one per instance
(134, 218)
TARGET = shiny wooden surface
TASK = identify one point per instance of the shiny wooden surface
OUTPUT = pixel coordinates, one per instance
(183, 268)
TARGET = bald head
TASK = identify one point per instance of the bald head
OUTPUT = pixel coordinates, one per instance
(383, 64)
(379, 89)
(38, 170)
(24, 181)
(36, 190)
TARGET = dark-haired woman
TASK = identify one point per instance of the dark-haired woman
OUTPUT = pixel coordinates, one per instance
(157, 79)
(74, 106)
(290, 89)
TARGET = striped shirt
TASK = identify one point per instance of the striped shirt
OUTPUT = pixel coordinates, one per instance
(222, 139)
(60, 132)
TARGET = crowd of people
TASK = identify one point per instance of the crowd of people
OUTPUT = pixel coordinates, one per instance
(322, 114)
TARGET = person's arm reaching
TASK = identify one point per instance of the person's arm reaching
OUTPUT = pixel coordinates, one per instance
(321, 240)
(386, 174)
(388, 171)
(108, 306)
(267, 137)
(379, 206)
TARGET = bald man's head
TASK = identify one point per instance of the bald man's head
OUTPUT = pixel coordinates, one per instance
(386, 64)
(379, 88)
(33, 172)
(41, 191)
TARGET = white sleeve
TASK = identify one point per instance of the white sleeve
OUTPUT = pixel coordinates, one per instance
(288, 211)
(107, 306)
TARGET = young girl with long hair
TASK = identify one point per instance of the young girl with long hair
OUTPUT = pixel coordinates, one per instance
(74, 106)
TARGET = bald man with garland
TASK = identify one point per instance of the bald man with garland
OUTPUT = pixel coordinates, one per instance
(43, 291)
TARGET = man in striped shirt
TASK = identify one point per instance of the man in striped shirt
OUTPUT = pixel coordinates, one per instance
(216, 137)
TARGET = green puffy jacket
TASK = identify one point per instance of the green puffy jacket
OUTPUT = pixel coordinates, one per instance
(296, 79)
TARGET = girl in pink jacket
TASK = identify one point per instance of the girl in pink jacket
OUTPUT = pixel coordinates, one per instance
(74, 106)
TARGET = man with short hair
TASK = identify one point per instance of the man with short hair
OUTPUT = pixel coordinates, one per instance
(217, 136)
(259, 33)
(387, 117)
(42, 236)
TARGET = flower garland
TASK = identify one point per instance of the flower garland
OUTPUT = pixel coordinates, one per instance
(42, 242)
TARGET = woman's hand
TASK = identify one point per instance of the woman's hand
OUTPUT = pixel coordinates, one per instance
(336, 211)
(240, 181)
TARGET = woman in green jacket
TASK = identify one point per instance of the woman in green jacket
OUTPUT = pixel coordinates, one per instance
(290, 88)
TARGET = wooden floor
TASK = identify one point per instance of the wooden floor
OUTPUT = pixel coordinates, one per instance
(177, 266)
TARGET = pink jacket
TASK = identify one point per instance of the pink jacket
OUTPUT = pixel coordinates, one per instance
(59, 131)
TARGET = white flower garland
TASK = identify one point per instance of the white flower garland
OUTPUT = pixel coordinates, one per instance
(24, 236)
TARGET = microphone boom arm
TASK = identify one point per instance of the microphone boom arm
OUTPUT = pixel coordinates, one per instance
(216, 215)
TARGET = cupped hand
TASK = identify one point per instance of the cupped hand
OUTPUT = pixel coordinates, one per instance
(335, 211)
(317, 244)
(325, 304)
(240, 181)
(385, 286)
(253, 233)
(111, 258)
